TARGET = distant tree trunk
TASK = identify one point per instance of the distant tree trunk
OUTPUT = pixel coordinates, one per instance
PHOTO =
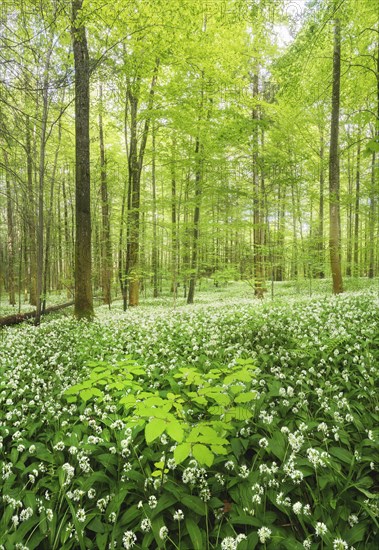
(83, 267)
(258, 218)
(321, 259)
(371, 263)
(41, 187)
(334, 169)
(374, 173)
(154, 256)
(356, 211)
(30, 214)
(11, 236)
(133, 208)
(50, 218)
(135, 170)
(349, 221)
(106, 245)
(196, 220)
(67, 239)
(174, 229)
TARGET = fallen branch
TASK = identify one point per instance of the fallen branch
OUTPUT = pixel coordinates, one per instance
(21, 317)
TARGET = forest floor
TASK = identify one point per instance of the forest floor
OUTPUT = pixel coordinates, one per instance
(229, 424)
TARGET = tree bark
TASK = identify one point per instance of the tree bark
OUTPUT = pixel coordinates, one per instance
(83, 261)
(136, 158)
(21, 317)
(196, 220)
(334, 169)
(106, 245)
(356, 210)
(11, 236)
(154, 253)
(321, 259)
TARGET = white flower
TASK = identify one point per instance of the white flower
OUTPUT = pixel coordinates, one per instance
(297, 507)
(163, 533)
(145, 525)
(178, 515)
(321, 529)
(264, 533)
(152, 502)
(352, 519)
(339, 544)
(263, 443)
(26, 514)
(228, 543)
(81, 515)
(129, 540)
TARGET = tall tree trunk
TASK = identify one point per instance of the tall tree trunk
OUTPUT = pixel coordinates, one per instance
(356, 210)
(196, 220)
(349, 220)
(11, 236)
(374, 172)
(334, 169)
(174, 229)
(83, 261)
(41, 187)
(321, 259)
(30, 214)
(106, 245)
(257, 216)
(371, 262)
(135, 170)
(50, 217)
(154, 255)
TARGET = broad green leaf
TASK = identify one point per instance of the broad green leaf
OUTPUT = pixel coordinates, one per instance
(153, 429)
(202, 454)
(181, 452)
(195, 534)
(175, 430)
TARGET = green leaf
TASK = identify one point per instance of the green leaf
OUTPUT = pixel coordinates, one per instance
(202, 454)
(195, 504)
(195, 534)
(181, 452)
(342, 454)
(175, 430)
(357, 533)
(154, 429)
(245, 397)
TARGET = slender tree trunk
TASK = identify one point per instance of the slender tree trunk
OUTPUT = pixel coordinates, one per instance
(106, 245)
(356, 211)
(374, 173)
(174, 230)
(83, 267)
(135, 170)
(321, 258)
(154, 256)
(257, 217)
(50, 218)
(349, 220)
(196, 220)
(371, 263)
(11, 236)
(334, 169)
(41, 187)
(30, 214)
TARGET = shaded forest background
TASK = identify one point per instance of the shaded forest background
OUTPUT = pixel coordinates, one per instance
(218, 146)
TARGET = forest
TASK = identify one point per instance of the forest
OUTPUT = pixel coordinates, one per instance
(189, 274)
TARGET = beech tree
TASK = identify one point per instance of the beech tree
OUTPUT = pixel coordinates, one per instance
(83, 261)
